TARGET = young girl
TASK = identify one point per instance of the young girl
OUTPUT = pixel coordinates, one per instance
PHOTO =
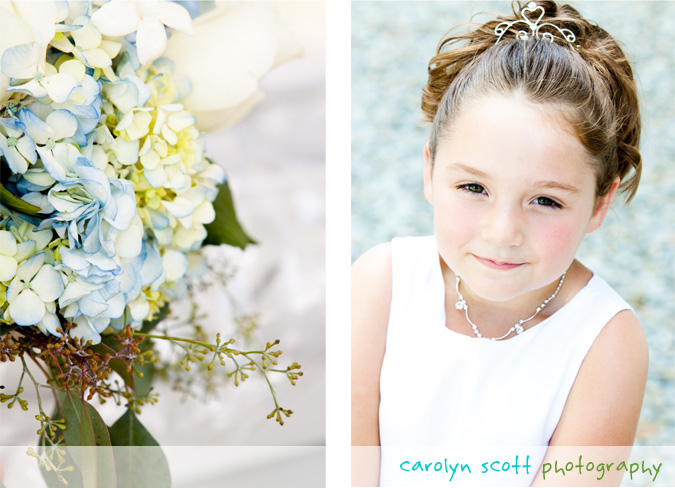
(490, 332)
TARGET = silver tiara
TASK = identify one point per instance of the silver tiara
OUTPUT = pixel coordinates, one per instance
(533, 8)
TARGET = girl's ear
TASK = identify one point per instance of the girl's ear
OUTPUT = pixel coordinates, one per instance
(428, 191)
(601, 207)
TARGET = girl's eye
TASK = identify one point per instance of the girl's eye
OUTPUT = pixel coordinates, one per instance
(472, 188)
(546, 202)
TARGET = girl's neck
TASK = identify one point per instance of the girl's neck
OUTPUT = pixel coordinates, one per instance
(495, 318)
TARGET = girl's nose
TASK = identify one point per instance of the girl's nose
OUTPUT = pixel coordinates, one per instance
(502, 226)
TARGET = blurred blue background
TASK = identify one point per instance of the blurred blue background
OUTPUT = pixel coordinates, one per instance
(391, 46)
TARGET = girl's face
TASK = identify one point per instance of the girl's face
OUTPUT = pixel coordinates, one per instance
(513, 195)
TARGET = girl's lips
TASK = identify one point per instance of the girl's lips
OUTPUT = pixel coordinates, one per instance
(497, 264)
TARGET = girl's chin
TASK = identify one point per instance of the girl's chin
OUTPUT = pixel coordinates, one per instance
(499, 291)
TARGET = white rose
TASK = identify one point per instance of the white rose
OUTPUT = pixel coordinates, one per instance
(233, 46)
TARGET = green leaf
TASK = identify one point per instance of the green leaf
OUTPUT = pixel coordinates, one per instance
(129, 431)
(142, 462)
(84, 426)
(84, 431)
(6, 329)
(9, 200)
(226, 229)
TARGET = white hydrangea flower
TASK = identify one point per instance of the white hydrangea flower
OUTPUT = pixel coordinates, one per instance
(35, 285)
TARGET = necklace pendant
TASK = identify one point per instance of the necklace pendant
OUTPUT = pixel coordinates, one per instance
(460, 305)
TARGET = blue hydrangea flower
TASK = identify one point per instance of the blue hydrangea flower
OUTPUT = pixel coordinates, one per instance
(91, 210)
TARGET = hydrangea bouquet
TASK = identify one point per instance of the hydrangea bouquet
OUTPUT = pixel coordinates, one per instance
(106, 202)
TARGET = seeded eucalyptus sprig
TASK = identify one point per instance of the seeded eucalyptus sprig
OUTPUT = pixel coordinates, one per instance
(210, 354)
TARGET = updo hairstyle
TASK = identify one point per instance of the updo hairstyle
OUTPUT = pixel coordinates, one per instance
(591, 86)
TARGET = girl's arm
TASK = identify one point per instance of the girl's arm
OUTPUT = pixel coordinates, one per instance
(604, 404)
(371, 299)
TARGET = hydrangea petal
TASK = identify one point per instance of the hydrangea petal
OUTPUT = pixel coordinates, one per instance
(123, 94)
(180, 207)
(204, 213)
(39, 131)
(129, 242)
(41, 237)
(27, 308)
(73, 67)
(74, 291)
(7, 244)
(155, 177)
(8, 267)
(29, 268)
(27, 248)
(84, 330)
(86, 37)
(63, 123)
(92, 308)
(17, 163)
(126, 151)
(139, 309)
(51, 164)
(13, 290)
(40, 17)
(26, 148)
(152, 266)
(97, 58)
(60, 86)
(47, 283)
(39, 200)
(175, 264)
(116, 306)
(21, 61)
(50, 322)
(74, 259)
(158, 219)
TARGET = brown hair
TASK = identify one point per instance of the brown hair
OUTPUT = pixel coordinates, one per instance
(591, 85)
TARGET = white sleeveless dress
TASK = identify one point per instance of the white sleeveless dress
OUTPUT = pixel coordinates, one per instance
(441, 388)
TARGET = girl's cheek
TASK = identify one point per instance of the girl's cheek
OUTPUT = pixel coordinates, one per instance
(454, 220)
(560, 237)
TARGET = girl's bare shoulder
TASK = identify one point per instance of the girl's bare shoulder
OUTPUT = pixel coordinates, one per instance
(371, 298)
(371, 295)
(371, 273)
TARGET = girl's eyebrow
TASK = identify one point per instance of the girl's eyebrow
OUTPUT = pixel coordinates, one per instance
(556, 185)
(539, 183)
(467, 169)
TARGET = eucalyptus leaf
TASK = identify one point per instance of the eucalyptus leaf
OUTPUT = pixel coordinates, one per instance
(11, 201)
(6, 329)
(84, 425)
(226, 229)
(84, 431)
(142, 462)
